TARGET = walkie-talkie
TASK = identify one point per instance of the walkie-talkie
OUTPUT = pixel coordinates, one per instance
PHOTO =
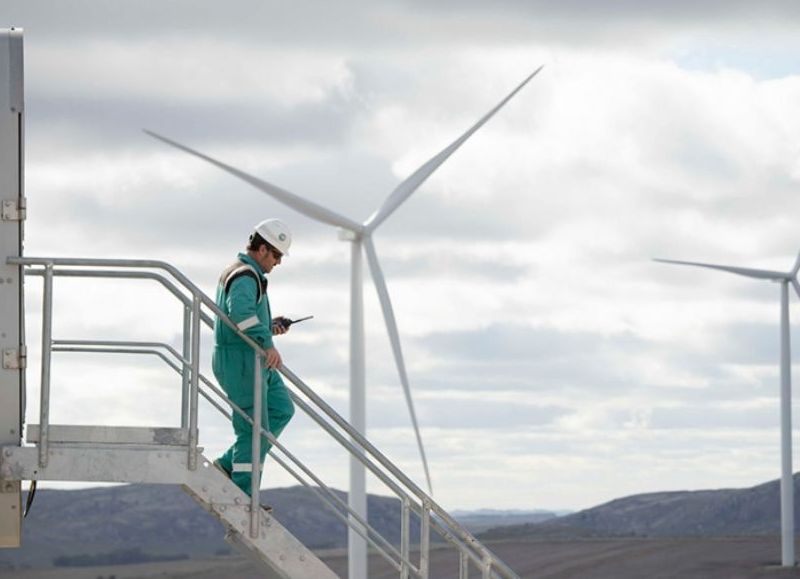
(286, 322)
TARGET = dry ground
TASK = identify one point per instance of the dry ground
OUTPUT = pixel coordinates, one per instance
(717, 558)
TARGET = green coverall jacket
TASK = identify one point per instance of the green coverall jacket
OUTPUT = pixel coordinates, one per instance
(244, 300)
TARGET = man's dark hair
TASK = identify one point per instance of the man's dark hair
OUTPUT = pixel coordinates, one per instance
(256, 241)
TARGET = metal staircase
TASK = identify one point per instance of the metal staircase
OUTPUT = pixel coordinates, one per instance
(172, 455)
(159, 455)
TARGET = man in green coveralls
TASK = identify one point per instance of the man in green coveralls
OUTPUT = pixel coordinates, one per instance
(242, 296)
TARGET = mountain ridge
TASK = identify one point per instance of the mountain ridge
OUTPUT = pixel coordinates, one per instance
(718, 512)
(160, 521)
(151, 522)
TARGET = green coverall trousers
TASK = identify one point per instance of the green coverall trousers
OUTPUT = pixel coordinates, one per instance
(277, 410)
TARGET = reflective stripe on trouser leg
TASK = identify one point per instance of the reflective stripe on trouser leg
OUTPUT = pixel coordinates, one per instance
(245, 467)
(242, 448)
(276, 412)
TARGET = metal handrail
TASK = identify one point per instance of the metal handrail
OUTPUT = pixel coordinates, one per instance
(140, 347)
(442, 522)
(130, 347)
(187, 305)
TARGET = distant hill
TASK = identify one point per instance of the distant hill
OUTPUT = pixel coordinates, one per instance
(749, 511)
(149, 522)
(483, 519)
(154, 521)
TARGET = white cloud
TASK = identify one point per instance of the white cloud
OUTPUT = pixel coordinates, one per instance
(520, 272)
(186, 70)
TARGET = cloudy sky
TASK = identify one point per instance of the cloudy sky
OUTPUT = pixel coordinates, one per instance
(554, 365)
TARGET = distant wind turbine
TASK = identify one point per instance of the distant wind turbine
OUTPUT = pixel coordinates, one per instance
(360, 234)
(787, 481)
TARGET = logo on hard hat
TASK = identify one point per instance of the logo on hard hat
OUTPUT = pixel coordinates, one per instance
(282, 237)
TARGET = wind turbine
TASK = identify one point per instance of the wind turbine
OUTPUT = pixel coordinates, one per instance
(787, 481)
(360, 235)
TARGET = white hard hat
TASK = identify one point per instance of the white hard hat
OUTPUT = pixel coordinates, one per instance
(276, 233)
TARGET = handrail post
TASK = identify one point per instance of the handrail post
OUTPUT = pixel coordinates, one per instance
(255, 480)
(194, 384)
(47, 346)
(404, 537)
(463, 566)
(487, 568)
(425, 539)
(187, 352)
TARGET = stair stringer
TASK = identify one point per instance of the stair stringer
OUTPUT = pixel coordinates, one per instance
(277, 551)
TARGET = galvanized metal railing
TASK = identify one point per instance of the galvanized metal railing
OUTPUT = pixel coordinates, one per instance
(413, 500)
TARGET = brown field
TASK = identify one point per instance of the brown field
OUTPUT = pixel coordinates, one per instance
(695, 558)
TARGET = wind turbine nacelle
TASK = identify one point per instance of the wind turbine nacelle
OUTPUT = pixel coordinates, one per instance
(347, 235)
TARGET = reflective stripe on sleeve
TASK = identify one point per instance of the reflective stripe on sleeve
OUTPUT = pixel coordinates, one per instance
(248, 323)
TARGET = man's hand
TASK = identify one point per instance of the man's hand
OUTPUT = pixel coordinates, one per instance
(273, 358)
(277, 326)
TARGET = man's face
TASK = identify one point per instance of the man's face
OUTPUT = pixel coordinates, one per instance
(268, 258)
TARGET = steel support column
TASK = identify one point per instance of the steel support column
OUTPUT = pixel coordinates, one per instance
(357, 498)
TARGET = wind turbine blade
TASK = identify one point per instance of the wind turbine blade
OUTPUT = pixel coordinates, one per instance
(394, 338)
(796, 267)
(796, 287)
(404, 190)
(307, 208)
(757, 273)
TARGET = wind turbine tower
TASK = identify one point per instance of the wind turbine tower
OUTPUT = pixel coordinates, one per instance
(787, 480)
(360, 236)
